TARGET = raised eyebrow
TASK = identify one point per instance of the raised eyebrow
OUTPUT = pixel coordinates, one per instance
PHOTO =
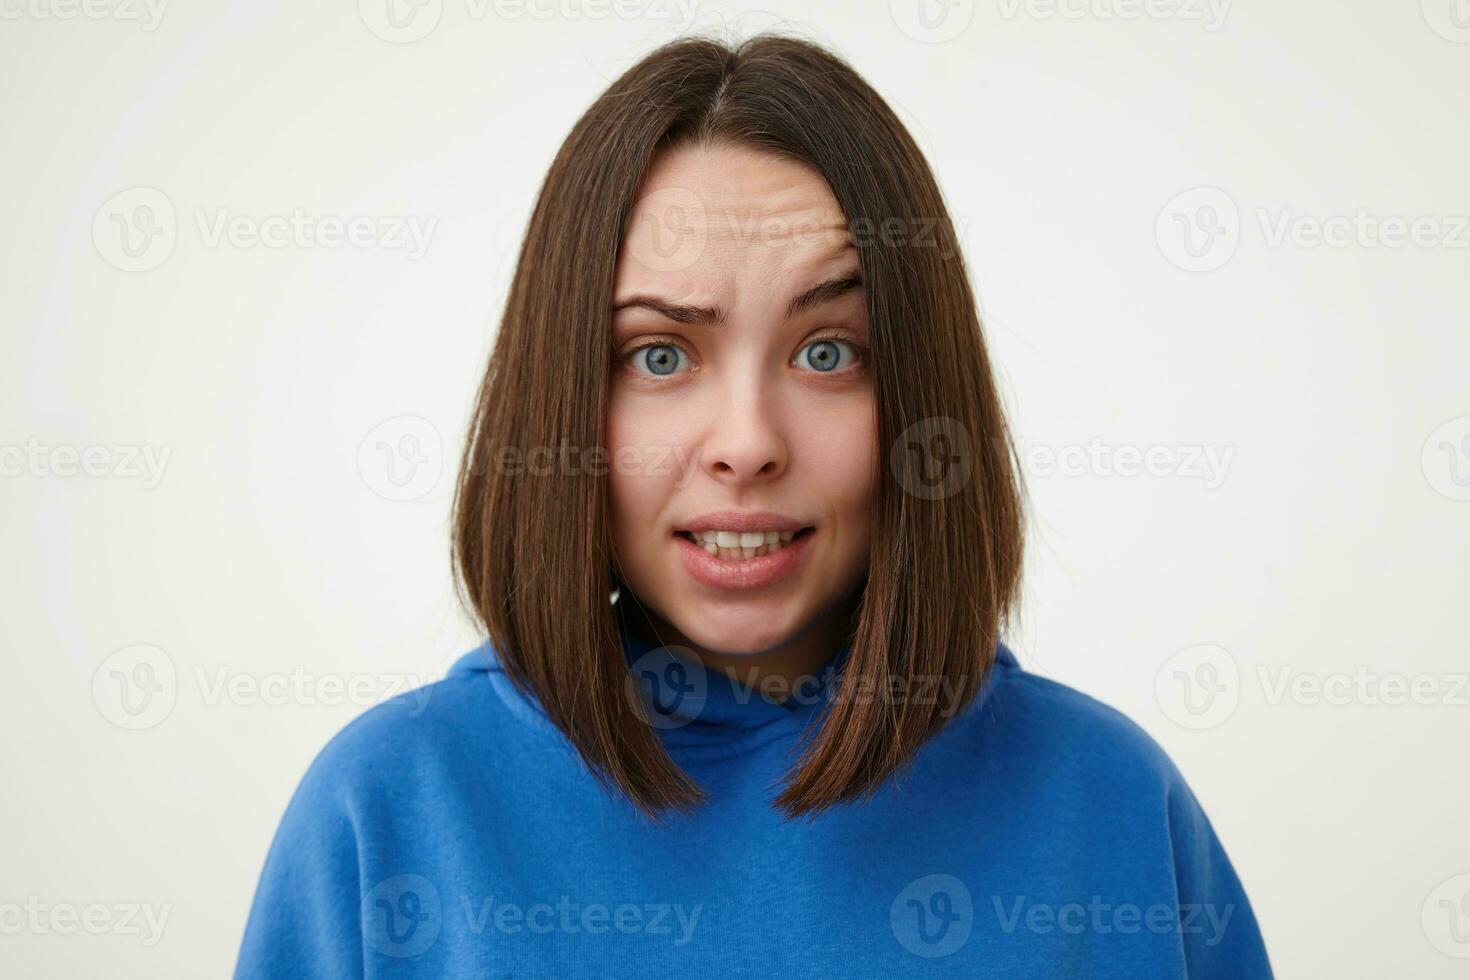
(823, 292)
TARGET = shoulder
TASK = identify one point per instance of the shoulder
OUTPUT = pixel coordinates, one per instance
(416, 737)
(1035, 722)
(1060, 755)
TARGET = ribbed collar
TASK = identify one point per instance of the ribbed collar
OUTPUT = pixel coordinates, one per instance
(692, 706)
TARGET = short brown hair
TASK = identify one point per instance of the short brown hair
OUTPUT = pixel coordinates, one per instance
(533, 554)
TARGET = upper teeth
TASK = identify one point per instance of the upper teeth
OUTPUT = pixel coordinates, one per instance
(742, 544)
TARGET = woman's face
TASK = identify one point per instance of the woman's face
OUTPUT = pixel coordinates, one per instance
(733, 407)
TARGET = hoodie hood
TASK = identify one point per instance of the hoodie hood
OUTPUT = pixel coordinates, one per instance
(694, 707)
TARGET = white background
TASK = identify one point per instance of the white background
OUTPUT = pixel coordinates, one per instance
(1331, 545)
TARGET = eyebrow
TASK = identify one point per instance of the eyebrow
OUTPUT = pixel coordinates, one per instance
(823, 292)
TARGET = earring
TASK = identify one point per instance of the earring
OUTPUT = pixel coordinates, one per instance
(613, 596)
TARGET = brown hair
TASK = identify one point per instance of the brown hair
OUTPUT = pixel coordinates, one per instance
(533, 553)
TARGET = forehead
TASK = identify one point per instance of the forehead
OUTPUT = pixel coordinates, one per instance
(720, 213)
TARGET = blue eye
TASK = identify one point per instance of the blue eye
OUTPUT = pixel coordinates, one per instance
(827, 355)
(656, 359)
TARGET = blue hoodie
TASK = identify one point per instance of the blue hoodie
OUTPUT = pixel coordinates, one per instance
(454, 832)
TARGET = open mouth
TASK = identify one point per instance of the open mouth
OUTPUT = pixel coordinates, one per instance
(742, 545)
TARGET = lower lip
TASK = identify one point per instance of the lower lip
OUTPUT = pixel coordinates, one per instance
(741, 576)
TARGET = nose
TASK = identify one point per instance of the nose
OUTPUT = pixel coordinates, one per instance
(745, 443)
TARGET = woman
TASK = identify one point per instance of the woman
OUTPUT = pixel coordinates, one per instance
(740, 389)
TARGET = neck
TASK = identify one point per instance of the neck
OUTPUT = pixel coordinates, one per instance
(776, 671)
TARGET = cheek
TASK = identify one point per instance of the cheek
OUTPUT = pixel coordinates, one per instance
(643, 468)
(838, 455)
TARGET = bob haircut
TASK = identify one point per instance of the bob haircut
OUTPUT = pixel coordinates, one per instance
(533, 553)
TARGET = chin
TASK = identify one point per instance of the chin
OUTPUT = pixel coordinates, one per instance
(739, 627)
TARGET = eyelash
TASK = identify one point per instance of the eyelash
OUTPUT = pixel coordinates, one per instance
(860, 351)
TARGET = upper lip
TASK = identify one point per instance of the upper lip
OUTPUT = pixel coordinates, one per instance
(735, 520)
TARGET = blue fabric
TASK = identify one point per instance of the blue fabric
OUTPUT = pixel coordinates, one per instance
(453, 832)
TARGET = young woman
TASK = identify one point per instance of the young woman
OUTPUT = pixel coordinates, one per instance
(740, 390)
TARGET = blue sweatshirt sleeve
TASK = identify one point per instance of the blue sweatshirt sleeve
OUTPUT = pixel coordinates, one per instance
(1218, 928)
(305, 919)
